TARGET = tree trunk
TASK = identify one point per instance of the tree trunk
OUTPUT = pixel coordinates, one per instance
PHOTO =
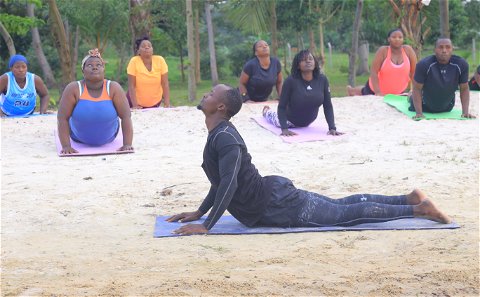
(273, 27)
(8, 40)
(311, 38)
(37, 45)
(444, 19)
(191, 52)
(198, 76)
(353, 50)
(182, 63)
(75, 50)
(140, 20)
(61, 43)
(123, 54)
(211, 45)
(363, 58)
(321, 57)
(408, 13)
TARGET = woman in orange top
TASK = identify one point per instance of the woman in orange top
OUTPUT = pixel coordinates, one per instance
(147, 77)
(392, 69)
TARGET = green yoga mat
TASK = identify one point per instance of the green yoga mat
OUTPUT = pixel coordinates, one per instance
(401, 103)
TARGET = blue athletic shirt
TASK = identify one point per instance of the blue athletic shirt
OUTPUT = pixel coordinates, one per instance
(18, 101)
(94, 121)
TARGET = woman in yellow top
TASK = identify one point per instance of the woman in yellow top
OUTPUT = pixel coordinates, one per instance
(147, 77)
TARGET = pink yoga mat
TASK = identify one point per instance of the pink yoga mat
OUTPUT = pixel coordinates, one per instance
(86, 150)
(316, 131)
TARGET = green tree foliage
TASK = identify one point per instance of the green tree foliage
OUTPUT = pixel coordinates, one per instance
(100, 21)
(14, 18)
(251, 16)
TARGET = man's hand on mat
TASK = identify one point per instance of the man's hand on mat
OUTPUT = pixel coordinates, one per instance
(185, 217)
(191, 229)
(125, 147)
(418, 116)
(334, 132)
(67, 150)
(286, 132)
(468, 115)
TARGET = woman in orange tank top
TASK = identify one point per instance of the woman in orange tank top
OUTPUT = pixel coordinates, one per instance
(392, 69)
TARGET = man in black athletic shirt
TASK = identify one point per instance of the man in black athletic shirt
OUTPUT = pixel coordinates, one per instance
(436, 79)
(254, 200)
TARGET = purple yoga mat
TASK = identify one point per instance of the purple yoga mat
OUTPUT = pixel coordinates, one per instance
(229, 225)
(316, 131)
(86, 150)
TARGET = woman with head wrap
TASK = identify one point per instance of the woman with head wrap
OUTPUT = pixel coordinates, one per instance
(147, 77)
(19, 89)
(90, 109)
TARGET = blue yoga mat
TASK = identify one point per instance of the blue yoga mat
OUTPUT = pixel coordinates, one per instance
(29, 115)
(229, 225)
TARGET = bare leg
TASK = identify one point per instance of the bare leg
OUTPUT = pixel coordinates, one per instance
(416, 197)
(426, 209)
(354, 91)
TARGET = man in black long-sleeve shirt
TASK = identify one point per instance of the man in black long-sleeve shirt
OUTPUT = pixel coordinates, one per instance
(254, 200)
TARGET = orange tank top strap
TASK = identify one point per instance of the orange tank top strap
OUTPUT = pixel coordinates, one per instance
(85, 95)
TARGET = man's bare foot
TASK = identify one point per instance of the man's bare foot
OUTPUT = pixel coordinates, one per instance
(350, 91)
(416, 197)
(426, 209)
(265, 109)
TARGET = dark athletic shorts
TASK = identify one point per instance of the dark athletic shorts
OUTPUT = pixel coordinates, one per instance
(473, 85)
(366, 89)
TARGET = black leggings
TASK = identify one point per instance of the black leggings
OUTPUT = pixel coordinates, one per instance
(318, 210)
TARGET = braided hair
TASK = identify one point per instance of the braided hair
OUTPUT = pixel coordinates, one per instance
(301, 56)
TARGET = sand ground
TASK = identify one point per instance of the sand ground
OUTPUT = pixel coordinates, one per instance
(83, 226)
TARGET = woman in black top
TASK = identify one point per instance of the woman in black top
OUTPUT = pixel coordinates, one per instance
(260, 74)
(304, 91)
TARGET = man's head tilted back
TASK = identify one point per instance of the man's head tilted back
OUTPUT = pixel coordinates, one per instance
(224, 96)
(232, 100)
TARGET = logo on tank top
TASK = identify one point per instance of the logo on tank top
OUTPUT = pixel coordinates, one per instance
(21, 103)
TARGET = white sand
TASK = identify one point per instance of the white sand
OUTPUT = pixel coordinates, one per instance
(83, 226)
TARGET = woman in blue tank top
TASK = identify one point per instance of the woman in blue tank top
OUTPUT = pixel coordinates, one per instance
(90, 109)
(19, 89)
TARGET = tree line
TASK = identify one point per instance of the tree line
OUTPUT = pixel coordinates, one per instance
(213, 38)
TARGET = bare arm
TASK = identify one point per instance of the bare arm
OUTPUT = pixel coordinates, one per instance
(166, 90)
(242, 86)
(376, 65)
(477, 78)
(3, 82)
(43, 93)
(417, 99)
(3, 86)
(413, 63)
(123, 110)
(279, 83)
(67, 104)
(465, 99)
(132, 86)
